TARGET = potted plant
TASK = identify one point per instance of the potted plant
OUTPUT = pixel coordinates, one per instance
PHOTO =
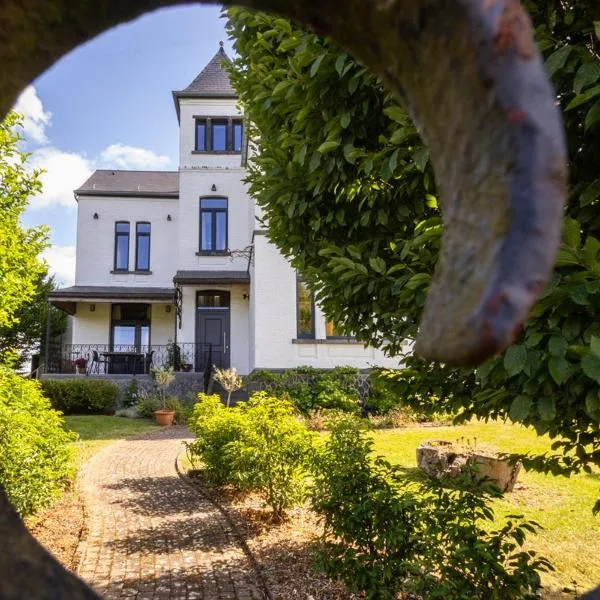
(162, 379)
(80, 365)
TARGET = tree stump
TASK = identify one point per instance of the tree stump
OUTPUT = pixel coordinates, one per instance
(440, 458)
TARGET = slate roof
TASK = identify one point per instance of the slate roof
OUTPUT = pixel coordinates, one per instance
(213, 81)
(199, 277)
(110, 182)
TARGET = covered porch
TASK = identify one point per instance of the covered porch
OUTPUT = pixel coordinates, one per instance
(122, 330)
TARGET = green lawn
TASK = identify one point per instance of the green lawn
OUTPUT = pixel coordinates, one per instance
(96, 431)
(563, 506)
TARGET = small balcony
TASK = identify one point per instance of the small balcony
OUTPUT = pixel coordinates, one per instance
(107, 359)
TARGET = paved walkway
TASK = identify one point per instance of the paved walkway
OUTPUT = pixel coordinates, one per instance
(150, 535)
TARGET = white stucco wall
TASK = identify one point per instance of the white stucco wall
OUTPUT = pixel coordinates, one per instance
(195, 184)
(162, 324)
(91, 327)
(274, 299)
(96, 240)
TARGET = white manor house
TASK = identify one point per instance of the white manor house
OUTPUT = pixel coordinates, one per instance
(173, 267)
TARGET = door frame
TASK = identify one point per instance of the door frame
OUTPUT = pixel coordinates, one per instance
(225, 312)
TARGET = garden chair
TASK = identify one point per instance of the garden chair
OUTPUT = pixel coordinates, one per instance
(96, 362)
(148, 361)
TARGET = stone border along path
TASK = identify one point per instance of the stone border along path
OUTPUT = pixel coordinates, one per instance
(151, 535)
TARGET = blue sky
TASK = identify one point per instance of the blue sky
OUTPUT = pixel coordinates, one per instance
(108, 104)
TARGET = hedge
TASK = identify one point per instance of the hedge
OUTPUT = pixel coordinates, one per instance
(81, 396)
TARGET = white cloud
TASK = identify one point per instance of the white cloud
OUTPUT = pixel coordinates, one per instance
(121, 156)
(36, 119)
(64, 172)
(61, 262)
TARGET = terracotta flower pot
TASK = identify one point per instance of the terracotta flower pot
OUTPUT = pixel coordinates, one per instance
(164, 418)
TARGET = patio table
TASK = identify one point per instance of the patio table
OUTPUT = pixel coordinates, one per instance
(125, 362)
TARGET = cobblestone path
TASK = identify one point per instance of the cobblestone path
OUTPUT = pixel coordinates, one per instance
(150, 535)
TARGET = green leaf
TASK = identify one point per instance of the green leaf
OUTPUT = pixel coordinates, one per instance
(595, 345)
(514, 360)
(328, 146)
(547, 408)
(557, 345)
(316, 64)
(583, 98)
(592, 404)
(431, 201)
(591, 366)
(597, 29)
(520, 408)
(590, 193)
(378, 265)
(593, 116)
(559, 369)
(421, 156)
(572, 233)
(345, 120)
(395, 113)
(557, 60)
(588, 73)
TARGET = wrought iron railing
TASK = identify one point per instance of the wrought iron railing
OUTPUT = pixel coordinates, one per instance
(125, 358)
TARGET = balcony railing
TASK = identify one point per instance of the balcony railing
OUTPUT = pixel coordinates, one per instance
(127, 359)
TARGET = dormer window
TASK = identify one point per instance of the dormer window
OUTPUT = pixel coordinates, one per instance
(219, 135)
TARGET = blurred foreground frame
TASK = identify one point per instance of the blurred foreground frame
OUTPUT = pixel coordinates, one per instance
(472, 79)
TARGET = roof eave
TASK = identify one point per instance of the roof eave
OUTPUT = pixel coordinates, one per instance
(128, 194)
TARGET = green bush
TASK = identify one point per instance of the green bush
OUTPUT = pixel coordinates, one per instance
(214, 426)
(384, 535)
(258, 445)
(147, 404)
(132, 394)
(35, 451)
(272, 452)
(81, 396)
(312, 389)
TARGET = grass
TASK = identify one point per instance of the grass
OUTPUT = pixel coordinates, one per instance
(97, 431)
(563, 506)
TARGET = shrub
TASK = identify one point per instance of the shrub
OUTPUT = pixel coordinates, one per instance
(272, 452)
(181, 412)
(35, 451)
(81, 396)
(384, 535)
(258, 445)
(147, 405)
(312, 389)
(132, 393)
(214, 426)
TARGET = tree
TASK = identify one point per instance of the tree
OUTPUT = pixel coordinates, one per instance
(349, 196)
(27, 333)
(20, 265)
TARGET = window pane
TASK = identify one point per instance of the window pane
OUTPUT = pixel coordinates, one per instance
(221, 233)
(122, 252)
(212, 300)
(131, 311)
(144, 338)
(143, 253)
(305, 312)
(206, 225)
(213, 203)
(237, 137)
(143, 227)
(200, 135)
(219, 136)
(122, 227)
(123, 335)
